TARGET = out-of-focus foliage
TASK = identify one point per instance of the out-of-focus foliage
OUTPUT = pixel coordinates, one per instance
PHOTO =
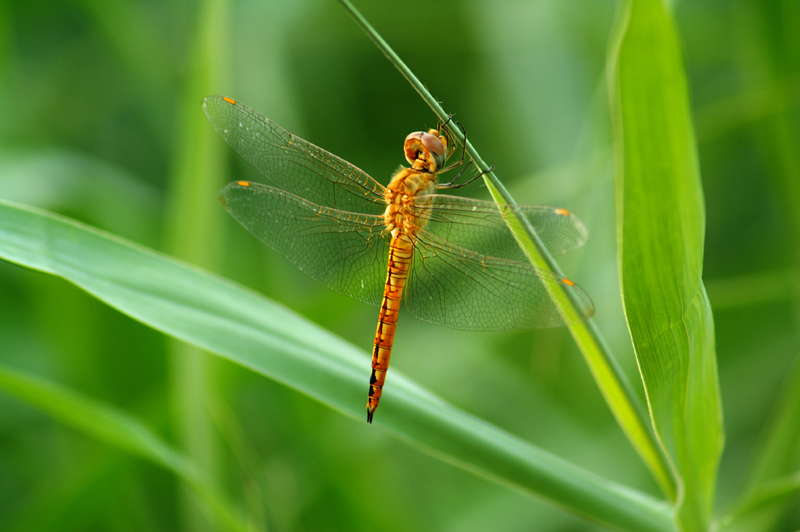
(97, 110)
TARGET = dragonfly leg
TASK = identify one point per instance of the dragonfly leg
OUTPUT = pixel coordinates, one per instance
(453, 184)
(452, 141)
(448, 134)
(441, 124)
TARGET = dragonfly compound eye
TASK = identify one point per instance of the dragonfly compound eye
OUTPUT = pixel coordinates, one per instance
(425, 147)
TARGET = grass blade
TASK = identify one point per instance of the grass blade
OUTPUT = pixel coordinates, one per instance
(193, 235)
(759, 508)
(118, 429)
(660, 221)
(609, 377)
(216, 315)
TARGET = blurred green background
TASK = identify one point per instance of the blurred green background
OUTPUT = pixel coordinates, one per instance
(101, 121)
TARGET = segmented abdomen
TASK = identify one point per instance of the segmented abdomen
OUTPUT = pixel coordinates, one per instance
(400, 252)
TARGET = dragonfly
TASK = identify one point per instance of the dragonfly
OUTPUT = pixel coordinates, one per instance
(452, 259)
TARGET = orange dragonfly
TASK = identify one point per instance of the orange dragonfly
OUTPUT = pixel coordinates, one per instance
(455, 258)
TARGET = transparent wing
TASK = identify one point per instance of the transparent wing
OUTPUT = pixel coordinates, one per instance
(291, 163)
(466, 290)
(479, 226)
(345, 251)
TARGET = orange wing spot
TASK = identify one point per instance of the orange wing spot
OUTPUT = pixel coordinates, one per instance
(563, 212)
(567, 282)
(229, 100)
(243, 183)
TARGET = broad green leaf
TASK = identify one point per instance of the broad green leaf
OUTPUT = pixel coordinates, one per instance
(661, 223)
(118, 429)
(245, 328)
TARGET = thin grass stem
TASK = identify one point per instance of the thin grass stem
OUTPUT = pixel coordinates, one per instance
(612, 381)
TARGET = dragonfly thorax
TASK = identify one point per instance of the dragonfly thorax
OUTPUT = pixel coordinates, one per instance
(426, 152)
(407, 185)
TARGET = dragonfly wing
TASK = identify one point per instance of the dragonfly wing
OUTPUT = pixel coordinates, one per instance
(479, 226)
(462, 289)
(291, 163)
(345, 251)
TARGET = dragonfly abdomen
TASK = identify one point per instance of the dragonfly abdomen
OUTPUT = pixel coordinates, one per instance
(400, 252)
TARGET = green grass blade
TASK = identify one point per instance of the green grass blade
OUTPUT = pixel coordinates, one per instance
(759, 508)
(193, 234)
(118, 429)
(770, 57)
(777, 455)
(609, 377)
(221, 317)
(660, 221)
(769, 491)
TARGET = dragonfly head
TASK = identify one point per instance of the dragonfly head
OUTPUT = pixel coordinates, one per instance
(426, 151)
